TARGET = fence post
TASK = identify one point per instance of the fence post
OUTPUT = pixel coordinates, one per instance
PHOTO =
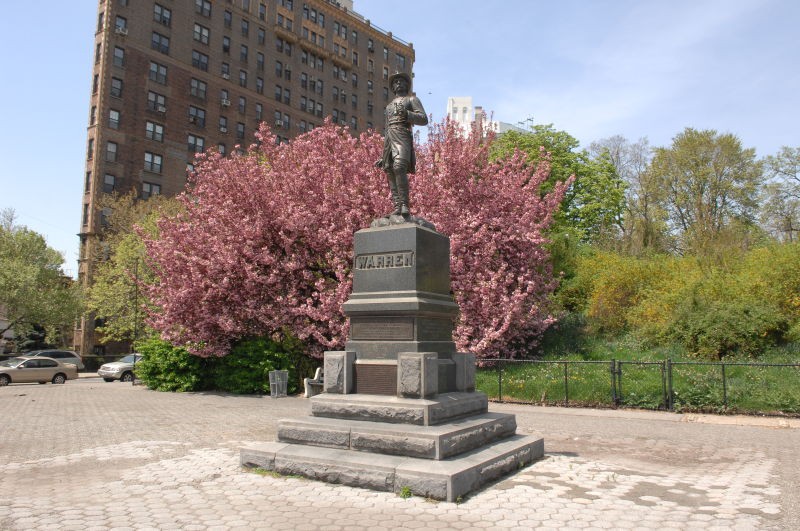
(619, 382)
(613, 369)
(566, 385)
(724, 387)
(670, 394)
(664, 384)
(499, 380)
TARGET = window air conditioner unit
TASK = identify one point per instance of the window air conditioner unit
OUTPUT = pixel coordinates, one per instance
(192, 119)
(226, 103)
(121, 31)
(161, 108)
(278, 123)
(226, 76)
(223, 129)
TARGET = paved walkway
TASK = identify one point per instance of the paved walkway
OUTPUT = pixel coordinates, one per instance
(95, 455)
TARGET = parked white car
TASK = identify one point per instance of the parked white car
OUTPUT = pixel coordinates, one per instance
(121, 370)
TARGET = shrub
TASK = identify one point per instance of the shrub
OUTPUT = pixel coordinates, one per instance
(246, 369)
(168, 368)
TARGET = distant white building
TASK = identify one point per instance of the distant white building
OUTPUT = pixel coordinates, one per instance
(461, 111)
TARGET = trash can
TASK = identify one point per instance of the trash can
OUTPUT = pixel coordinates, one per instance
(278, 381)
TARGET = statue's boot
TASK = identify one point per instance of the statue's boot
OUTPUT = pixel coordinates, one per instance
(401, 176)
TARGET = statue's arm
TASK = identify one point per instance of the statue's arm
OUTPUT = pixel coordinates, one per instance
(416, 113)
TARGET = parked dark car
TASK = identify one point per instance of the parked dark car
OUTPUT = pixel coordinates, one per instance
(67, 356)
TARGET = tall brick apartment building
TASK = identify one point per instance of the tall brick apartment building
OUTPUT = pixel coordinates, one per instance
(175, 77)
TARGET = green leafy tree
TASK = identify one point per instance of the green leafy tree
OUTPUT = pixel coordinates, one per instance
(592, 208)
(643, 228)
(115, 296)
(34, 291)
(708, 184)
(780, 205)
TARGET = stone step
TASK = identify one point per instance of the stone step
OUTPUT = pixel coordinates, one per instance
(427, 442)
(447, 479)
(445, 407)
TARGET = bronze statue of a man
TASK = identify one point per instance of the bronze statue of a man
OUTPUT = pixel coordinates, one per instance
(398, 159)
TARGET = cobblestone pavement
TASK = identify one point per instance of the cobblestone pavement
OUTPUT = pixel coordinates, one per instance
(93, 455)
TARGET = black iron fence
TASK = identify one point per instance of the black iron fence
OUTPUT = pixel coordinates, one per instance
(668, 385)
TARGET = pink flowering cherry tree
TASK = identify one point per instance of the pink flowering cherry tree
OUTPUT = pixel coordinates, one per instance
(264, 244)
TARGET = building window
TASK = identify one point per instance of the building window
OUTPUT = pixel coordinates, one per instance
(152, 162)
(354, 123)
(385, 94)
(303, 80)
(150, 189)
(116, 87)
(162, 15)
(287, 96)
(278, 92)
(262, 36)
(302, 126)
(156, 102)
(88, 182)
(259, 111)
(243, 53)
(226, 45)
(95, 83)
(242, 78)
(260, 85)
(228, 19)
(245, 28)
(85, 214)
(109, 181)
(201, 33)
(158, 73)
(113, 119)
(98, 53)
(196, 143)
(354, 78)
(260, 61)
(198, 88)
(121, 25)
(200, 60)
(90, 149)
(223, 124)
(101, 19)
(119, 56)
(202, 7)
(239, 130)
(303, 103)
(370, 45)
(278, 120)
(262, 12)
(223, 97)
(93, 115)
(154, 131)
(369, 108)
(105, 214)
(160, 43)
(385, 53)
(386, 73)
(355, 58)
(226, 70)
(221, 148)
(111, 152)
(400, 61)
(197, 116)
(354, 101)
(242, 104)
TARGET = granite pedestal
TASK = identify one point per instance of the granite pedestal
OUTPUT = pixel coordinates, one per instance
(399, 407)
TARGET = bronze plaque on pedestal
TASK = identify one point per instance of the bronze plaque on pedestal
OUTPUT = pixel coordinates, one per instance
(375, 379)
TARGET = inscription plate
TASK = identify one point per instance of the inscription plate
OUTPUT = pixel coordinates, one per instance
(431, 329)
(376, 379)
(382, 329)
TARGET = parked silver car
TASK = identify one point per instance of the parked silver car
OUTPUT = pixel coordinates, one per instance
(66, 356)
(121, 370)
(26, 369)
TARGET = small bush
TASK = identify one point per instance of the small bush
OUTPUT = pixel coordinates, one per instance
(168, 368)
(246, 369)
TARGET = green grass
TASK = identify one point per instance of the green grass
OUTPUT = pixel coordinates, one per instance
(643, 381)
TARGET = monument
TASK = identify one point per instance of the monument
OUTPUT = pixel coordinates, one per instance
(399, 408)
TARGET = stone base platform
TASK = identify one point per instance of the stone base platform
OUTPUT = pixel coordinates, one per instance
(441, 448)
(378, 408)
(447, 479)
(426, 442)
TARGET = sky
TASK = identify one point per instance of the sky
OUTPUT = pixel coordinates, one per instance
(592, 68)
